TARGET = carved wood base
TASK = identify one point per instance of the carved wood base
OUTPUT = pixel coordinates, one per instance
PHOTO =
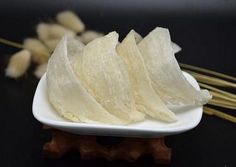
(129, 149)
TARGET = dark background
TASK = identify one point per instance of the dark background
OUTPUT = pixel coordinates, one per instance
(206, 31)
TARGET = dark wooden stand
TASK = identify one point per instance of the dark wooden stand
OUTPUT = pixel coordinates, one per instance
(129, 149)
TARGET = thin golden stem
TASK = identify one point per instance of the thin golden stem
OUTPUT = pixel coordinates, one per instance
(221, 96)
(211, 111)
(222, 101)
(218, 104)
(11, 43)
(231, 95)
(20, 46)
(207, 71)
(212, 80)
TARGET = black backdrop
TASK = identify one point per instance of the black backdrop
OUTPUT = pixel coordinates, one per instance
(206, 30)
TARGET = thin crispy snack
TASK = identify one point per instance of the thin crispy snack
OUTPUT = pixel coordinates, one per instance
(166, 76)
(65, 91)
(146, 98)
(104, 74)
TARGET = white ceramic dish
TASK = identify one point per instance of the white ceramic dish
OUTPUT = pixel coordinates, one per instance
(46, 114)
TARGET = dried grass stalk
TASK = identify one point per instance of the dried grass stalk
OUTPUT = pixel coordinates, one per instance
(219, 104)
(231, 95)
(19, 63)
(221, 96)
(219, 114)
(51, 44)
(211, 80)
(52, 31)
(207, 71)
(11, 43)
(40, 53)
(226, 102)
(70, 20)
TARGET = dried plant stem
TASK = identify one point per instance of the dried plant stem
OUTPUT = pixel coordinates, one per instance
(231, 95)
(219, 114)
(211, 80)
(221, 96)
(226, 102)
(18, 45)
(11, 43)
(222, 105)
(207, 71)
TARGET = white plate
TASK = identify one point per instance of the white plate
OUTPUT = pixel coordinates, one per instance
(46, 114)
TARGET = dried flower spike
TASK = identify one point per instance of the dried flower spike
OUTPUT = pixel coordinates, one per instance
(19, 63)
(52, 31)
(71, 21)
(90, 35)
(51, 44)
(40, 70)
(40, 53)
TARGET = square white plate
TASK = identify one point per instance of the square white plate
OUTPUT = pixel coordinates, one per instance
(46, 114)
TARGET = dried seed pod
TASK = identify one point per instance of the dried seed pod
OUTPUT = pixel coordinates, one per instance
(52, 31)
(19, 63)
(40, 53)
(90, 35)
(40, 70)
(71, 21)
(51, 44)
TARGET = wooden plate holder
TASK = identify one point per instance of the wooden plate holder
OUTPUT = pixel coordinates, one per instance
(129, 149)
